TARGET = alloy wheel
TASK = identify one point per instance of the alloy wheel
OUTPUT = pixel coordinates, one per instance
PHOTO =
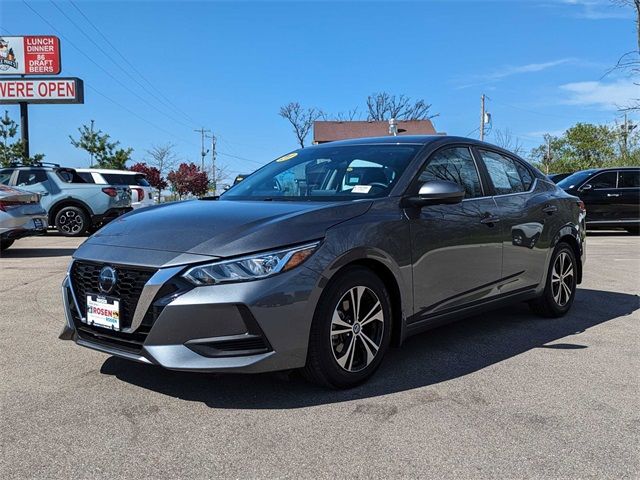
(70, 222)
(357, 328)
(562, 279)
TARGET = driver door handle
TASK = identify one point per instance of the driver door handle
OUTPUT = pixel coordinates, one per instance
(613, 194)
(489, 219)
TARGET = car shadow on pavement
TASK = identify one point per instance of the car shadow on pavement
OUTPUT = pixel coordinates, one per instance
(436, 356)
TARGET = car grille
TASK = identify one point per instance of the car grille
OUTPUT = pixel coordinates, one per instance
(131, 281)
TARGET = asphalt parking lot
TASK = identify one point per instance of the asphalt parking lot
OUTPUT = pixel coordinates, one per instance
(502, 395)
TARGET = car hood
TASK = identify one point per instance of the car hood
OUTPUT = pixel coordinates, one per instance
(216, 229)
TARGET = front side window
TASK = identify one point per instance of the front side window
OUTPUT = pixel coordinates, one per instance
(604, 180)
(31, 177)
(629, 179)
(327, 174)
(504, 173)
(454, 165)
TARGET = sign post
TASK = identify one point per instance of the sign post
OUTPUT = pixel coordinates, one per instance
(24, 127)
(34, 55)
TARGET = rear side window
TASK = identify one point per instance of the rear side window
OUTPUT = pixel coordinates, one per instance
(604, 180)
(124, 179)
(455, 165)
(68, 175)
(30, 177)
(627, 179)
(505, 173)
(86, 176)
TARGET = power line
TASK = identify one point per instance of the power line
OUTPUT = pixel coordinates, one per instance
(106, 54)
(97, 64)
(115, 49)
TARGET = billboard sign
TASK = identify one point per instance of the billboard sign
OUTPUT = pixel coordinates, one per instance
(41, 90)
(30, 55)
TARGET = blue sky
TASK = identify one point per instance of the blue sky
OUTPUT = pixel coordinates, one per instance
(229, 66)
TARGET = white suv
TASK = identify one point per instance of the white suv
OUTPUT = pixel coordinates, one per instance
(141, 191)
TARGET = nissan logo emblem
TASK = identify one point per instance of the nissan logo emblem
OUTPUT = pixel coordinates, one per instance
(107, 279)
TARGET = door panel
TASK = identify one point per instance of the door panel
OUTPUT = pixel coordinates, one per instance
(629, 190)
(457, 258)
(456, 249)
(602, 200)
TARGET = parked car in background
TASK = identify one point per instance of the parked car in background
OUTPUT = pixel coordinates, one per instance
(324, 257)
(21, 215)
(240, 177)
(611, 195)
(556, 177)
(141, 191)
(73, 206)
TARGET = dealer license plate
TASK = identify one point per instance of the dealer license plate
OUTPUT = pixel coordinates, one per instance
(37, 222)
(103, 311)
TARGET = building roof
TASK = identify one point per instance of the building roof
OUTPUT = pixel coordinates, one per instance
(331, 131)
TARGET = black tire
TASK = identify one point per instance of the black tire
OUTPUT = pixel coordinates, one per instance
(560, 289)
(72, 221)
(335, 305)
(4, 244)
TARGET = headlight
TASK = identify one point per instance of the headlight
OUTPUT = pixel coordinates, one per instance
(251, 267)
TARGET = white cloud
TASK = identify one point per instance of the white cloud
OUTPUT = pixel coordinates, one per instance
(597, 9)
(510, 70)
(605, 95)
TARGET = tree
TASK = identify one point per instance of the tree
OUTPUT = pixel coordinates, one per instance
(105, 152)
(188, 178)
(504, 139)
(162, 157)
(13, 151)
(382, 106)
(154, 177)
(301, 119)
(583, 146)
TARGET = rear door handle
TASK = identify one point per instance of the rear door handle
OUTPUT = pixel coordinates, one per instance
(550, 209)
(613, 194)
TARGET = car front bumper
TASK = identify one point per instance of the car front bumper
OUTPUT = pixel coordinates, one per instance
(248, 327)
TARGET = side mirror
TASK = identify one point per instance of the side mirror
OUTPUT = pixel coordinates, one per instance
(586, 187)
(437, 192)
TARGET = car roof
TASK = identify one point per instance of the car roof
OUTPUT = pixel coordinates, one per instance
(108, 170)
(410, 140)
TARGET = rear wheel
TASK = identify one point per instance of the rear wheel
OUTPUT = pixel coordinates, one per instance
(560, 289)
(351, 330)
(72, 221)
(4, 244)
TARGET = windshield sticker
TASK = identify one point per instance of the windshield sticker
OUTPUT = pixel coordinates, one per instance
(361, 189)
(289, 156)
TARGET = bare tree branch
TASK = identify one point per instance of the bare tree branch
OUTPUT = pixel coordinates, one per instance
(505, 139)
(301, 119)
(382, 106)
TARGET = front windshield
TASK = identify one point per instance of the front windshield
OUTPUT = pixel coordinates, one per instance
(575, 179)
(327, 174)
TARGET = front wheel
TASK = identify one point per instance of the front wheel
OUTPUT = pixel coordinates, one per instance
(72, 221)
(351, 330)
(560, 289)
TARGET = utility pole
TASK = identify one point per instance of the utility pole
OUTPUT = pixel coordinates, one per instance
(482, 118)
(627, 128)
(203, 152)
(214, 173)
(548, 162)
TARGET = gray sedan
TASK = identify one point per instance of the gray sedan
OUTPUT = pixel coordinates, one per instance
(326, 257)
(21, 215)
